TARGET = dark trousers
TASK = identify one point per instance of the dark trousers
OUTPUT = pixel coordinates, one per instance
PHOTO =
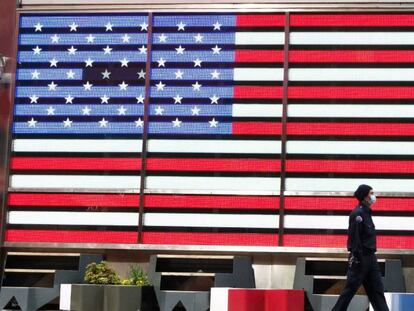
(367, 273)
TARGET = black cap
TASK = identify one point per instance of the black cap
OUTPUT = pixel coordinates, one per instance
(362, 192)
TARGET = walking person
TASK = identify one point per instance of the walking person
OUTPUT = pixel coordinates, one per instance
(363, 265)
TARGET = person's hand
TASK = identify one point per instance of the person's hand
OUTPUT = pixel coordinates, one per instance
(353, 260)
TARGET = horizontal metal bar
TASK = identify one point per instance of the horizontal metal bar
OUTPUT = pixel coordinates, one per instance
(200, 249)
(43, 254)
(29, 271)
(187, 274)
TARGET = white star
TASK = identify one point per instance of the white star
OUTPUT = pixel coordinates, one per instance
(216, 50)
(36, 50)
(161, 62)
(141, 74)
(142, 50)
(105, 99)
(159, 110)
(52, 86)
(86, 111)
(217, 26)
(72, 50)
(177, 99)
(162, 38)
(105, 74)
(213, 123)
(215, 74)
(107, 50)
(139, 123)
(35, 74)
(214, 99)
(180, 50)
(50, 111)
(70, 74)
(140, 99)
(103, 123)
(121, 111)
(195, 111)
(69, 99)
(124, 62)
(144, 26)
(73, 27)
(55, 38)
(108, 26)
(125, 38)
(160, 86)
(196, 86)
(33, 99)
(181, 26)
(32, 123)
(89, 62)
(197, 62)
(123, 86)
(176, 122)
(38, 27)
(53, 62)
(88, 86)
(198, 38)
(90, 38)
(67, 123)
(179, 74)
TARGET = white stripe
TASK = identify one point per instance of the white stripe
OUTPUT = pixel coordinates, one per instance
(348, 184)
(351, 111)
(341, 222)
(211, 220)
(260, 38)
(258, 74)
(214, 146)
(73, 218)
(350, 147)
(77, 145)
(365, 38)
(74, 181)
(219, 297)
(257, 110)
(351, 74)
(212, 183)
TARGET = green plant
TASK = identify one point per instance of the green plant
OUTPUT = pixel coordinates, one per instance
(101, 274)
(137, 277)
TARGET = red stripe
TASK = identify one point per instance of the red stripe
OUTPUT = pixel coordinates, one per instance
(61, 199)
(258, 56)
(351, 92)
(185, 238)
(351, 20)
(257, 128)
(350, 166)
(258, 92)
(69, 236)
(344, 56)
(320, 240)
(49, 163)
(389, 204)
(206, 201)
(260, 20)
(222, 165)
(349, 129)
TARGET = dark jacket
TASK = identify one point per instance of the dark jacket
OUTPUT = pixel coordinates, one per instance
(361, 231)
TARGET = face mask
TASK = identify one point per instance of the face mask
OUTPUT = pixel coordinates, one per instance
(372, 199)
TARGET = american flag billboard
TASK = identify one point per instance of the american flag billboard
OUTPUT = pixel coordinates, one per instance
(210, 128)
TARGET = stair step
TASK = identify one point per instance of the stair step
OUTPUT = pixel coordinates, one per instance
(329, 277)
(43, 254)
(187, 274)
(29, 271)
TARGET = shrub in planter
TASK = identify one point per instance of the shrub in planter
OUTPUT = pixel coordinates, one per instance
(90, 297)
(135, 293)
